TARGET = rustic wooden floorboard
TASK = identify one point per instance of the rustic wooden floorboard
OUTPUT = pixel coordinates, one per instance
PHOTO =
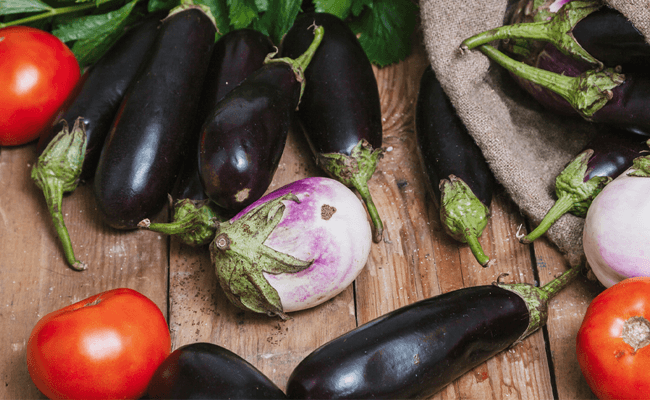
(416, 260)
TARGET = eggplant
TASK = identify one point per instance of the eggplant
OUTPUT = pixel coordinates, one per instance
(99, 93)
(340, 112)
(93, 104)
(416, 350)
(586, 30)
(148, 139)
(457, 172)
(243, 138)
(235, 56)
(208, 371)
(606, 156)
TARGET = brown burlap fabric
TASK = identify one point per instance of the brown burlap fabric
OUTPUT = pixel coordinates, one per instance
(525, 145)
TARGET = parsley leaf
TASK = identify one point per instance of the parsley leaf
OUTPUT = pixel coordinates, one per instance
(242, 13)
(278, 18)
(385, 30)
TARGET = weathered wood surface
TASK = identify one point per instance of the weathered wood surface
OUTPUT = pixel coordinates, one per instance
(416, 260)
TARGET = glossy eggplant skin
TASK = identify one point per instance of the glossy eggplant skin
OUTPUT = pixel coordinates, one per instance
(340, 105)
(414, 351)
(145, 147)
(611, 38)
(100, 91)
(207, 371)
(629, 107)
(445, 145)
(614, 151)
(243, 138)
(235, 56)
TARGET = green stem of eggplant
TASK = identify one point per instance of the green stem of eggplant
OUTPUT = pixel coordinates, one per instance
(300, 64)
(537, 298)
(195, 223)
(477, 250)
(53, 192)
(586, 93)
(378, 226)
(562, 206)
(556, 31)
(57, 171)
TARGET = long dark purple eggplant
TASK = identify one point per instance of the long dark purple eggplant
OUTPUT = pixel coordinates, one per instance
(243, 138)
(144, 150)
(605, 157)
(587, 30)
(416, 350)
(93, 104)
(207, 371)
(99, 93)
(235, 56)
(340, 112)
(459, 176)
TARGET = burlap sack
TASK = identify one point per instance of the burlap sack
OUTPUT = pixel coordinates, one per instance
(525, 145)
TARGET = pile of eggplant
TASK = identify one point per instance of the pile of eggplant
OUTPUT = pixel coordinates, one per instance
(170, 113)
(578, 58)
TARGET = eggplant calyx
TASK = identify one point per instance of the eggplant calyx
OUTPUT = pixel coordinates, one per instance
(640, 167)
(240, 258)
(194, 222)
(300, 64)
(587, 93)
(355, 170)
(537, 298)
(56, 172)
(463, 215)
(574, 194)
(557, 30)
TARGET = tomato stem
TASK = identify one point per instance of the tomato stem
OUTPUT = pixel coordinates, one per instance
(48, 14)
(636, 332)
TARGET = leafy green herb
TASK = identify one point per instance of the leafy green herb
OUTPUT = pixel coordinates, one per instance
(90, 27)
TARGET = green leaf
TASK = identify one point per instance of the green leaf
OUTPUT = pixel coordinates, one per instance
(279, 17)
(219, 10)
(22, 6)
(385, 30)
(242, 13)
(340, 8)
(160, 5)
(94, 34)
(262, 5)
(358, 6)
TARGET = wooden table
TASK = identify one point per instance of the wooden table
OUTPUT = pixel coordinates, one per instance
(416, 260)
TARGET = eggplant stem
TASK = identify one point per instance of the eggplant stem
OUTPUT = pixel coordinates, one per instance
(53, 192)
(562, 206)
(378, 226)
(477, 250)
(557, 31)
(537, 298)
(587, 93)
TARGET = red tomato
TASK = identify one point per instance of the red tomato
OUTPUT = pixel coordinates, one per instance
(612, 342)
(107, 346)
(37, 73)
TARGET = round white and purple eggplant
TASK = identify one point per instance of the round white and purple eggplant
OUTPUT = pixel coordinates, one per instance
(243, 138)
(340, 111)
(208, 371)
(416, 350)
(148, 140)
(294, 248)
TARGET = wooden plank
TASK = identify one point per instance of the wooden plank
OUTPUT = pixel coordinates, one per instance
(35, 278)
(565, 315)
